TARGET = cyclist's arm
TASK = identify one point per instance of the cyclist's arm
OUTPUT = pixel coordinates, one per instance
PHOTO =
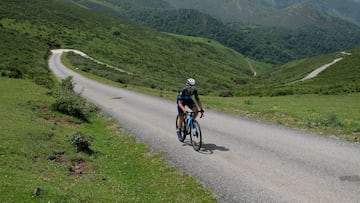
(197, 99)
(199, 104)
(181, 105)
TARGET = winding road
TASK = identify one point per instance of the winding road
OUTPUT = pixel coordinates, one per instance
(242, 160)
(321, 69)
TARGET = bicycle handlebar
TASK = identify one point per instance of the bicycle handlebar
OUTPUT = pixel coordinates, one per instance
(192, 112)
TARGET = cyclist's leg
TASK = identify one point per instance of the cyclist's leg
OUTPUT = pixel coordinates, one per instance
(181, 118)
(194, 108)
(179, 130)
(186, 103)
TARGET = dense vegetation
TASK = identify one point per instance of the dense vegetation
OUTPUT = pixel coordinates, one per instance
(255, 11)
(22, 56)
(267, 44)
(311, 34)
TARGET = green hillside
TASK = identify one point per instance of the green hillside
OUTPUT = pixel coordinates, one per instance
(31, 29)
(340, 78)
(262, 30)
(165, 59)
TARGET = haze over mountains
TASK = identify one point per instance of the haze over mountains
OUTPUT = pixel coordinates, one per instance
(261, 11)
(272, 31)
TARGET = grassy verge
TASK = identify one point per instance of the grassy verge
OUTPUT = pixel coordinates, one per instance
(337, 115)
(36, 152)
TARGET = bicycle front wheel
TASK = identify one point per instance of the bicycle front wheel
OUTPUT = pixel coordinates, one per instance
(195, 136)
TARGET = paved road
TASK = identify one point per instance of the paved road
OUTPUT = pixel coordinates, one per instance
(321, 69)
(242, 160)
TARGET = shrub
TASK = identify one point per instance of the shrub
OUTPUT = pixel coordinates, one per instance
(44, 80)
(82, 142)
(71, 103)
(116, 33)
(225, 93)
(332, 120)
(248, 102)
(281, 92)
(67, 84)
(327, 120)
(12, 73)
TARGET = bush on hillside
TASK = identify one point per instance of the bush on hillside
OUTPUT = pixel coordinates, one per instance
(225, 93)
(44, 80)
(71, 103)
(12, 73)
(82, 142)
(68, 84)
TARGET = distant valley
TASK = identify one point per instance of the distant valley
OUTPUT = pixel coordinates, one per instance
(269, 31)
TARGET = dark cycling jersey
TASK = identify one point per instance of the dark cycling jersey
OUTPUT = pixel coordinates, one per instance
(185, 96)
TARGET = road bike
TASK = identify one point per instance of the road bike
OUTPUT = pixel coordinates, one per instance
(191, 127)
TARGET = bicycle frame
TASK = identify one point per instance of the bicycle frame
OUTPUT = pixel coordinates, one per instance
(189, 118)
(189, 122)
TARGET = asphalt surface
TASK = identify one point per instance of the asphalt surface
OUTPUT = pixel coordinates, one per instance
(241, 160)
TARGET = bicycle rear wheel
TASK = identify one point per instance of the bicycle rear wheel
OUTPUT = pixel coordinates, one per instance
(195, 136)
(182, 135)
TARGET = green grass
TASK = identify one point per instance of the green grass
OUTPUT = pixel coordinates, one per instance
(337, 115)
(36, 152)
(23, 57)
(340, 78)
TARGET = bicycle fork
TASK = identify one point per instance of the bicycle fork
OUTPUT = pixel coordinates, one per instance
(191, 126)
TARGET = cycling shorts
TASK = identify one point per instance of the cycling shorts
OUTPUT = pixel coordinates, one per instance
(186, 102)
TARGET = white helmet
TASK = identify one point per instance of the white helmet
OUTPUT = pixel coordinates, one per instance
(190, 82)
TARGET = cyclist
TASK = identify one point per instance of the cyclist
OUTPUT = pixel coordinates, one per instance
(184, 99)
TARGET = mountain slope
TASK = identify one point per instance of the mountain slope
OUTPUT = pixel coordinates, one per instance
(239, 11)
(346, 9)
(157, 59)
(244, 11)
(300, 15)
(340, 78)
(301, 29)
